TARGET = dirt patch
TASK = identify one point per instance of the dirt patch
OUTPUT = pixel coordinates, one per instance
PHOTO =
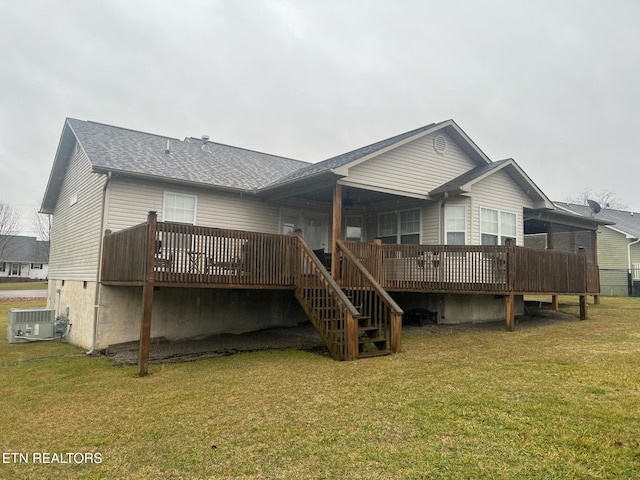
(306, 338)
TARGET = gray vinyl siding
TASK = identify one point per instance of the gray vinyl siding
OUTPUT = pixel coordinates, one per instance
(75, 231)
(431, 224)
(130, 201)
(498, 192)
(413, 168)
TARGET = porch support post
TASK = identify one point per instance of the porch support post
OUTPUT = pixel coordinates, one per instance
(554, 302)
(509, 307)
(336, 231)
(147, 297)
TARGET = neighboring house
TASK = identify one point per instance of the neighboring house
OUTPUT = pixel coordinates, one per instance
(23, 258)
(618, 248)
(430, 195)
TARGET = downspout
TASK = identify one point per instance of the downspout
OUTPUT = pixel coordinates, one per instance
(96, 301)
(630, 280)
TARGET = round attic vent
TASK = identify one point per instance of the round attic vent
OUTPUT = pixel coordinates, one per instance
(440, 144)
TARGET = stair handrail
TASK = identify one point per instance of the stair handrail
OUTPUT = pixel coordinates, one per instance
(349, 349)
(328, 278)
(370, 278)
(395, 312)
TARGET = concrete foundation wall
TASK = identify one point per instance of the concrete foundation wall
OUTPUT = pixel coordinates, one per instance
(79, 298)
(459, 308)
(183, 312)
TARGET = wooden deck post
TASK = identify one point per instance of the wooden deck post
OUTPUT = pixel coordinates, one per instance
(509, 307)
(583, 298)
(352, 336)
(377, 273)
(147, 296)
(396, 333)
(555, 304)
(509, 299)
(336, 232)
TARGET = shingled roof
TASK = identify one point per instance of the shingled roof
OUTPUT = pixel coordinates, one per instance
(458, 184)
(132, 152)
(623, 221)
(17, 248)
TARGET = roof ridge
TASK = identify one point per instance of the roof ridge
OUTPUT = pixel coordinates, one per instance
(125, 128)
(247, 150)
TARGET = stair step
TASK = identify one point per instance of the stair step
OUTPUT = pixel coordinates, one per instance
(371, 339)
(374, 353)
(369, 328)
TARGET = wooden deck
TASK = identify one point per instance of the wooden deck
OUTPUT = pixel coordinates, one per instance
(350, 308)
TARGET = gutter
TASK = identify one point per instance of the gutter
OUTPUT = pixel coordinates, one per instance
(96, 301)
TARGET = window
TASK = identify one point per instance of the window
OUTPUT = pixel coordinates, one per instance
(455, 225)
(400, 227)
(2, 267)
(497, 227)
(179, 208)
(15, 269)
(636, 271)
(289, 224)
(353, 230)
(36, 266)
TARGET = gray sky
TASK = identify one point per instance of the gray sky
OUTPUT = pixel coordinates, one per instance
(553, 84)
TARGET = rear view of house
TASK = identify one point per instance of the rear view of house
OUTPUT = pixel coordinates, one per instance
(239, 240)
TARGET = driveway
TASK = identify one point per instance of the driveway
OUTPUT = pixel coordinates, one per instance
(23, 294)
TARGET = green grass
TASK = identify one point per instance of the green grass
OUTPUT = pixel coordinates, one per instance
(23, 286)
(560, 401)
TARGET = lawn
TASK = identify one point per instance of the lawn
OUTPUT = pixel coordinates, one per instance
(23, 285)
(559, 401)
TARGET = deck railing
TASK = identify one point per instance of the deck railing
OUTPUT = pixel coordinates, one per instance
(476, 269)
(190, 255)
(187, 255)
(369, 297)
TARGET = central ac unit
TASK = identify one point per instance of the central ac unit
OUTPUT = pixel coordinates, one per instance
(28, 324)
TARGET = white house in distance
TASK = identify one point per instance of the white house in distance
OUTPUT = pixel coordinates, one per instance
(441, 210)
(23, 258)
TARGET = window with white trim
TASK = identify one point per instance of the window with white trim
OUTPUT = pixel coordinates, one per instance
(353, 230)
(496, 227)
(179, 208)
(36, 266)
(636, 271)
(455, 225)
(2, 267)
(400, 227)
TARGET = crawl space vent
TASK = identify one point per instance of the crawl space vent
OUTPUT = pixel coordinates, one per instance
(440, 144)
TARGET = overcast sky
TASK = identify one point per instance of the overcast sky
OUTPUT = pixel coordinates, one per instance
(553, 84)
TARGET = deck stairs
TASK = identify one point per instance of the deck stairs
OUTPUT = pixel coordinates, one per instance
(343, 317)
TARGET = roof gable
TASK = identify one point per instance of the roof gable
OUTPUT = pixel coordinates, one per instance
(465, 182)
(340, 164)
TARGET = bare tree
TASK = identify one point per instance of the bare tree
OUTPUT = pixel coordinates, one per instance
(41, 225)
(9, 223)
(606, 198)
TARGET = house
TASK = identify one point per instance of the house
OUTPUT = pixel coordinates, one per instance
(23, 258)
(618, 248)
(204, 233)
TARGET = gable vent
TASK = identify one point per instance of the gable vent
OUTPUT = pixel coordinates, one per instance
(440, 144)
